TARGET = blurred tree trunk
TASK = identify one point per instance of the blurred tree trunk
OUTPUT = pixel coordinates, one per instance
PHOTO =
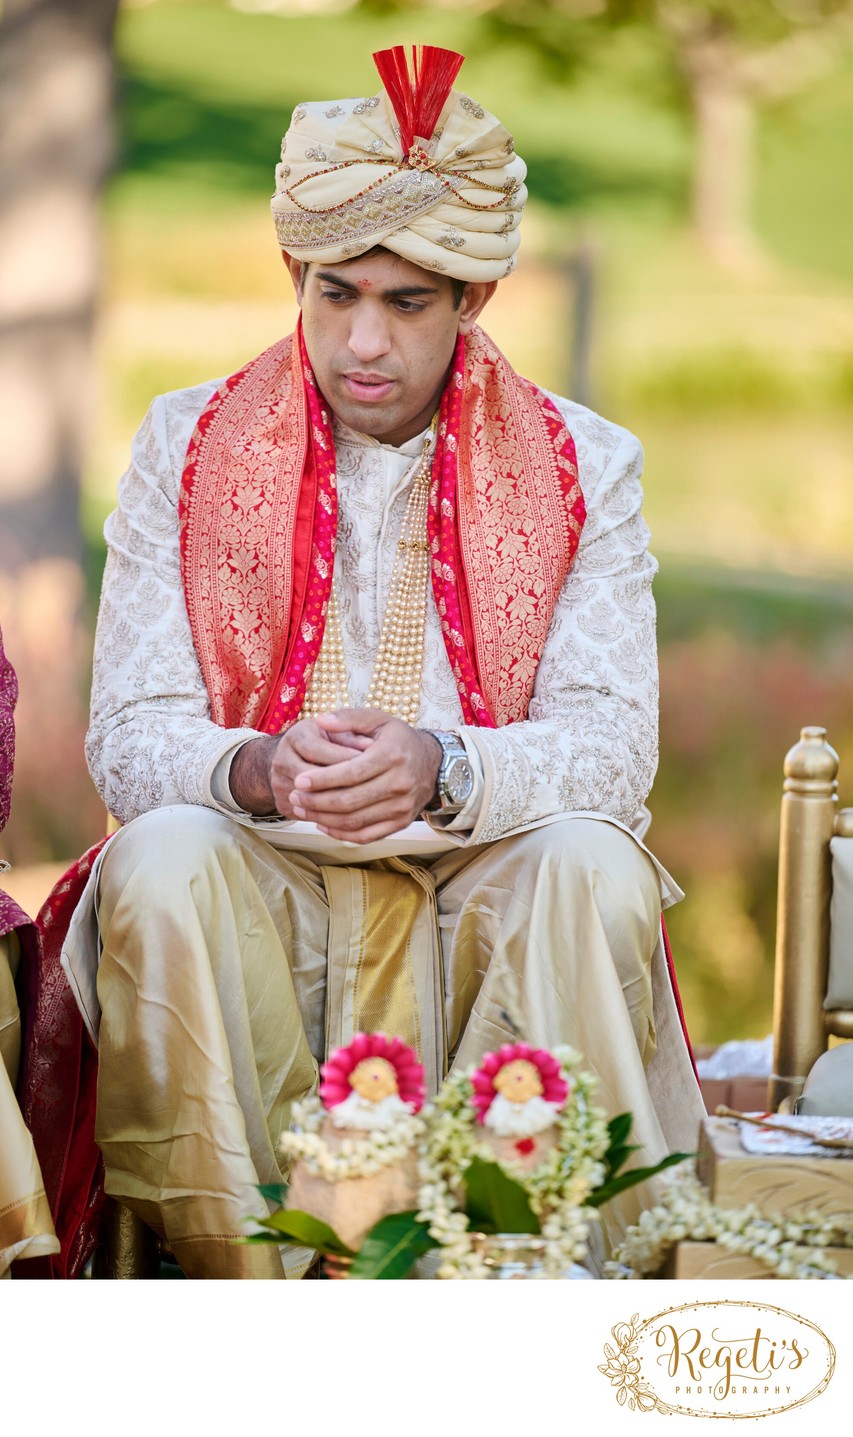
(729, 74)
(56, 147)
(723, 160)
(732, 57)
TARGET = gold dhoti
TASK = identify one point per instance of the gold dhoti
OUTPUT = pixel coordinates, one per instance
(216, 1010)
(26, 1227)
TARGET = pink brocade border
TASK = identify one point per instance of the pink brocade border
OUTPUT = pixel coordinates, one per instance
(505, 521)
(312, 624)
(237, 507)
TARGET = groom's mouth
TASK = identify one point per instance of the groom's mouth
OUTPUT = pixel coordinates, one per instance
(368, 387)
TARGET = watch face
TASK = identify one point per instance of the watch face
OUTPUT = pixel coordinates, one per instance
(459, 780)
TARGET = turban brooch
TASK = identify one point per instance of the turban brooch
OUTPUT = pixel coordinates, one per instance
(420, 169)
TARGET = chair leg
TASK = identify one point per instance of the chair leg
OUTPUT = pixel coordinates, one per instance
(809, 807)
(128, 1248)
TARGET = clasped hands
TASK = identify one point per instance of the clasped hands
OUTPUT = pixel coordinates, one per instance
(359, 774)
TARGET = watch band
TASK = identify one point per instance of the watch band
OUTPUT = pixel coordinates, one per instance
(455, 779)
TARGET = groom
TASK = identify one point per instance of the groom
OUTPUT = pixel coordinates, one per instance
(375, 697)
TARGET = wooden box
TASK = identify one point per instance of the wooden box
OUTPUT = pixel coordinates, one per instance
(774, 1183)
(748, 1095)
(701, 1260)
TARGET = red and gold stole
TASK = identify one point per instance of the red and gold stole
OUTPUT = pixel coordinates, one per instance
(258, 513)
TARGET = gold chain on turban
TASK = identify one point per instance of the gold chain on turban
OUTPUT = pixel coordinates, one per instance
(357, 173)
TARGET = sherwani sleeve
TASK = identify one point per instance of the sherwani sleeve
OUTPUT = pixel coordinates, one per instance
(590, 741)
(151, 740)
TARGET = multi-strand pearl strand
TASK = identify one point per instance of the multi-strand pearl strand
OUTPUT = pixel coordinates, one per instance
(328, 689)
(395, 684)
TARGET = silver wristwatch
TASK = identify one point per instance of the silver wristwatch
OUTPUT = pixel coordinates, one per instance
(455, 781)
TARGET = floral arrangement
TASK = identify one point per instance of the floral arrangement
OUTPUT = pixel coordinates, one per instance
(686, 1211)
(515, 1145)
(375, 1085)
(353, 1153)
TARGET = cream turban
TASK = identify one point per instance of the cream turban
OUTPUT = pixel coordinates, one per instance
(452, 203)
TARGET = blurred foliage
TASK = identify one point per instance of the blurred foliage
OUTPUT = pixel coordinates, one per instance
(563, 32)
(183, 107)
(743, 667)
(740, 379)
(719, 380)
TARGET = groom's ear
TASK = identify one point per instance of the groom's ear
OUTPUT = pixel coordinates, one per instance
(297, 271)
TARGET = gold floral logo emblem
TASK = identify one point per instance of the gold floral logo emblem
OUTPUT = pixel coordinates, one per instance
(718, 1359)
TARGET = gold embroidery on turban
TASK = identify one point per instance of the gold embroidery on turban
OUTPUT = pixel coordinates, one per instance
(452, 203)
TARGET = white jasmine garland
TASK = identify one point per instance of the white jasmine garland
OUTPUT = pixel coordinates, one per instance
(558, 1187)
(355, 1158)
(686, 1211)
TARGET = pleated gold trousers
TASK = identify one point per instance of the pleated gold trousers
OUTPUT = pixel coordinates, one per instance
(216, 1011)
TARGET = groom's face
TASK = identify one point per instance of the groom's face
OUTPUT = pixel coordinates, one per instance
(380, 334)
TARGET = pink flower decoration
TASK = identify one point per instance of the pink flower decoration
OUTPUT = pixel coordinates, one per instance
(555, 1089)
(336, 1072)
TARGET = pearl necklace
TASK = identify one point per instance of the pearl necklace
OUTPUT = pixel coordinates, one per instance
(395, 683)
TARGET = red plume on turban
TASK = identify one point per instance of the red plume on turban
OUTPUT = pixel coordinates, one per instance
(417, 94)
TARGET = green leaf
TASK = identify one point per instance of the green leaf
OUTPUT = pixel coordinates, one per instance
(495, 1202)
(273, 1192)
(616, 1158)
(619, 1129)
(619, 1149)
(305, 1230)
(392, 1246)
(256, 1237)
(630, 1179)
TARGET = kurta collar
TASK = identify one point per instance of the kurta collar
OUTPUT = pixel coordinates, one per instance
(410, 450)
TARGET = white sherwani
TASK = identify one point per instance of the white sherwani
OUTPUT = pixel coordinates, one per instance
(220, 961)
(591, 741)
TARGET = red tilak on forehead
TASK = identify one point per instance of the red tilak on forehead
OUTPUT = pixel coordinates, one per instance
(364, 284)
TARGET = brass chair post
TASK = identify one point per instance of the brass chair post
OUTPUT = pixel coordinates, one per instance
(128, 1248)
(838, 1022)
(809, 806)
